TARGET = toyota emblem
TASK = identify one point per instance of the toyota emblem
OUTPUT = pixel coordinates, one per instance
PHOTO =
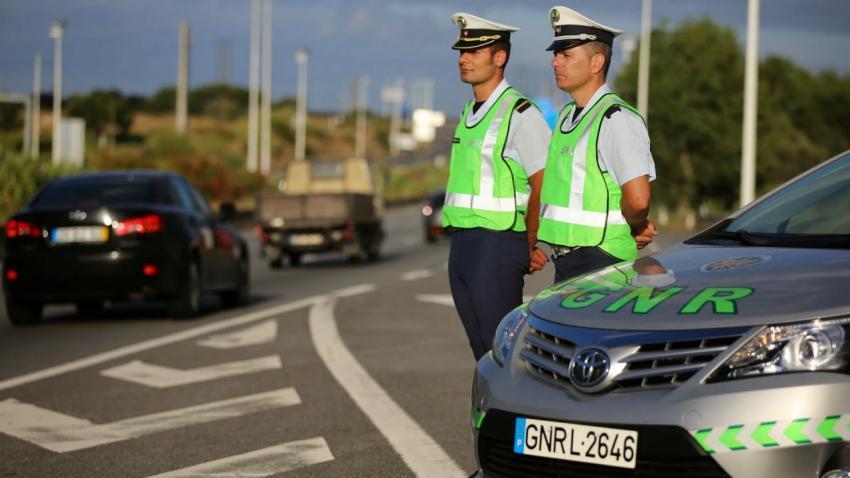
(589, 368)
(77, 215)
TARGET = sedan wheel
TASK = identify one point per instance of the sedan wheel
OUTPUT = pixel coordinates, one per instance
(187, 304)
(239, 295)
(23, 313)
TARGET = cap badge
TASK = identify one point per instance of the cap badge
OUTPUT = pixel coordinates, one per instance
(461, 22)
(555, 15)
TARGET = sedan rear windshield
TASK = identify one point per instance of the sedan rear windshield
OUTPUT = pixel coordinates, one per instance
(95, 192)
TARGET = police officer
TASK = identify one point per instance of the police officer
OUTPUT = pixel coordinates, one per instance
(492, 197)
(595, 198)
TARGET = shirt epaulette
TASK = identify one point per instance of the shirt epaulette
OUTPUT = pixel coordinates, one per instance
(522, 105)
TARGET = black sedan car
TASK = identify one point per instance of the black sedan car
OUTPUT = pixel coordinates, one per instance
(92, 238)
(432, 216)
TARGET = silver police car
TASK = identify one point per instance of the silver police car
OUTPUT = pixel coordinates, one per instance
(725, 356)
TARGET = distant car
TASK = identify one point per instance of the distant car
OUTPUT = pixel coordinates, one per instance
(725, 356)
(432, 216)
(115, 236)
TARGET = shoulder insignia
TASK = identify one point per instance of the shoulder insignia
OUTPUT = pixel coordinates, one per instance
(522, 105)
(611, 110)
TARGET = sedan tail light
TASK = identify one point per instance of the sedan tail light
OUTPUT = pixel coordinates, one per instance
(138, 225)
(21, 229)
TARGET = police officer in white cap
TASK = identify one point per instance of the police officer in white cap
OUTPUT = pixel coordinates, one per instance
(596, 195)
(496, 171)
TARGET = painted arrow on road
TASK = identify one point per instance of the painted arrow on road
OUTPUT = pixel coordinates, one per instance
(157, 376)
(262, 333)
(266, 462)
(63, 433)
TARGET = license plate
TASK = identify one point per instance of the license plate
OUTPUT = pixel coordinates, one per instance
(88, 234)
(306, 239)
(572, 442)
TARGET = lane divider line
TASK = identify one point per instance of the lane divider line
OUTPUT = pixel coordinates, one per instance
(265, 462)
(198, 331)
(417, 449)
(417, 274)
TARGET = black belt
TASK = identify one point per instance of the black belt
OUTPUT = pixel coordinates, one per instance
(561, 251)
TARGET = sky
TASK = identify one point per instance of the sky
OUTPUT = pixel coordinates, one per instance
(132, 44)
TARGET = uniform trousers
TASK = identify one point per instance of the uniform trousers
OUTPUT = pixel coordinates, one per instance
(581, 261)
(486, 275)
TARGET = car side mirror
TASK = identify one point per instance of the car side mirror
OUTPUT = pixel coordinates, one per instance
(226, 211)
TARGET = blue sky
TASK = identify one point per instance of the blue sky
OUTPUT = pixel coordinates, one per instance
(131, 44)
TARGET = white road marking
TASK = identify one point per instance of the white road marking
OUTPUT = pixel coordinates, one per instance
(446, 299)
(441, 299)
(258, 334)
(417, 274)
(259, 463)
(63, 433)
(157, 376)
(418, 450)
(179, 336)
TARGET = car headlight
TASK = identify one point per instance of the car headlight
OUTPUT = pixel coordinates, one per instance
(507, 333)
(820, 345)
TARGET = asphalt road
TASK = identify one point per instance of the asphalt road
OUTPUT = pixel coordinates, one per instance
(334, 369)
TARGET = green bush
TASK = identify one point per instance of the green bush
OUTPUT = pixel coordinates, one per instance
(21, 178)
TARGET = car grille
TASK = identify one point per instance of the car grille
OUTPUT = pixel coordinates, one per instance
(663, 451)
(651, 359)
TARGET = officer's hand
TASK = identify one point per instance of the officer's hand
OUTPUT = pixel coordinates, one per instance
(538, 260)
(643, 236)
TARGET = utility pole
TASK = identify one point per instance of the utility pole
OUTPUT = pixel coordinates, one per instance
(360, 128)
(36, 106)
(182, 77)
(301, 58)
(266, 106)
(57, 29)
(748, 153)
(253, 87)
(643, 67)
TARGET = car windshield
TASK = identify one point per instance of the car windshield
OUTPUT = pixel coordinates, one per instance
(97, 191)
(813, 211)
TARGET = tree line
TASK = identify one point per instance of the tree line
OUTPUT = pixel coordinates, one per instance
(696, 113)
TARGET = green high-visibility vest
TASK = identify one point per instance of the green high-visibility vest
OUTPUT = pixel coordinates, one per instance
(486, 189)
(579, 202)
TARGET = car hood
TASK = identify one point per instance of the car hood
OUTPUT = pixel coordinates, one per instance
(689, 287)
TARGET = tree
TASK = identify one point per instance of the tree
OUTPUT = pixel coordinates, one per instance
(104, 111)
(696, 113)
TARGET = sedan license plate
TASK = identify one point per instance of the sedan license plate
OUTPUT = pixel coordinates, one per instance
(572, 442)
(87, 234)
(306, 239)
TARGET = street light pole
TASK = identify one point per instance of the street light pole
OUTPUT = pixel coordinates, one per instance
(301, 58)
(360, 128)
(748, 153)
(57, 30)
(36, 106)
(266, 96)
(643, 67)
(253, 87)
(182, 78)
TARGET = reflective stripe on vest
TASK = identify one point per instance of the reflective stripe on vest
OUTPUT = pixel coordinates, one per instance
(477, 205)
(581, 216)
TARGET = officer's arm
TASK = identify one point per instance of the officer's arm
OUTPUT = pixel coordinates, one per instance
(532, 218)
(635, 207)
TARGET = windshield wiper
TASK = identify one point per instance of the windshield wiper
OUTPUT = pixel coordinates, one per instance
(760, 239)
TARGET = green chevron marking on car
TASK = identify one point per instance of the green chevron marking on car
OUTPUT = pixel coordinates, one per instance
(770, 434)
(762, 434)
(826, 428)
(729, 438)
(477, 417)
(701, 436)
(795, 431)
